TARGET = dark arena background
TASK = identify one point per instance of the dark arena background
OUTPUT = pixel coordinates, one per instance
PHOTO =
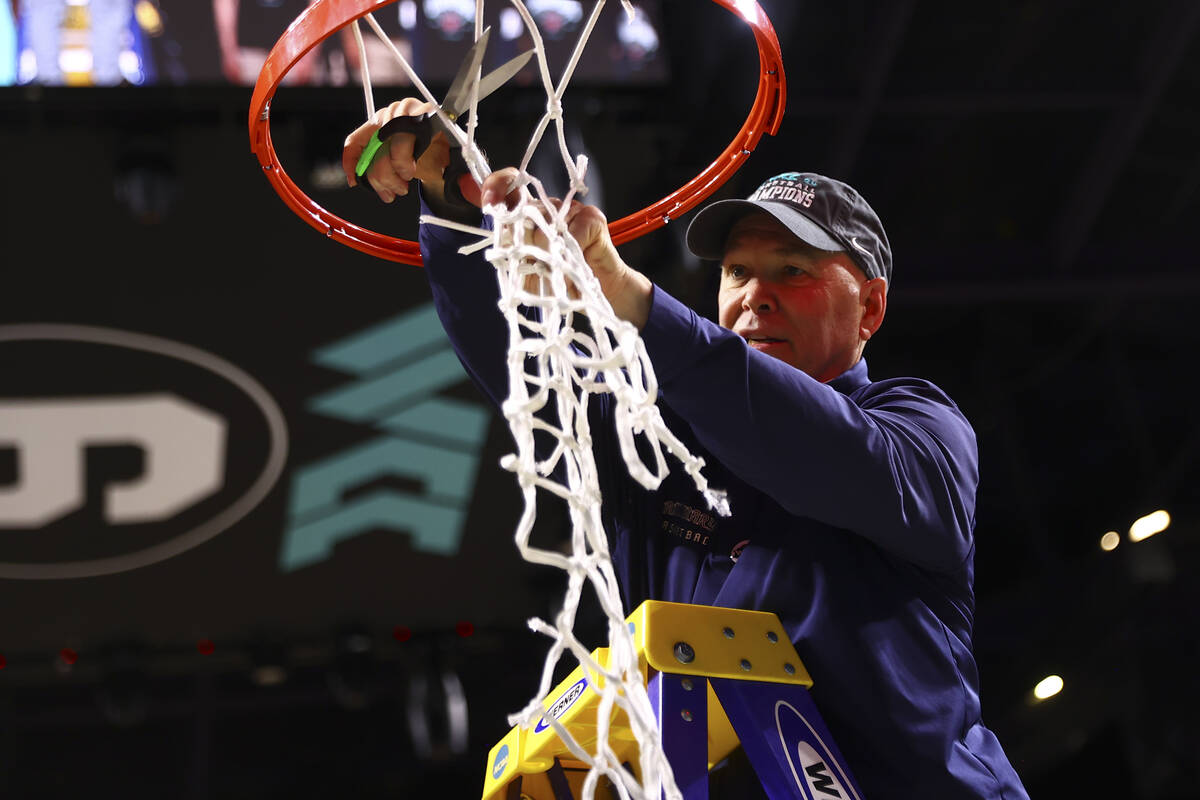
(274, 557)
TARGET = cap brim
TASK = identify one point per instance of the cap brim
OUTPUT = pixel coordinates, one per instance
(710, 228)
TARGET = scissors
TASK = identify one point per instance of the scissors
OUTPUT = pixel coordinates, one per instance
(455, 104)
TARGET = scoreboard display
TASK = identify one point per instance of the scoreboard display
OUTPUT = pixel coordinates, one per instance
(181, 42)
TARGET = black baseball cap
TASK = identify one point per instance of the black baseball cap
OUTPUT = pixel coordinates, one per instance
(821, 211)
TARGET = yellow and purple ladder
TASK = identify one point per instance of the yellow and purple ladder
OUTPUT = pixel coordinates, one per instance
(718, 678)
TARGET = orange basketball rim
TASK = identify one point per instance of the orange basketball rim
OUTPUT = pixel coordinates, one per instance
(325, 17)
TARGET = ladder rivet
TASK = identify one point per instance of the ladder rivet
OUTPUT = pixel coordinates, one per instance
(687, 715)
(772, 637)
(789, 669)
(745, 665)
(684, 653)
(728, 633)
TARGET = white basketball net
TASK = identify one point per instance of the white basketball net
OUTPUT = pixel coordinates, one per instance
(554, 369)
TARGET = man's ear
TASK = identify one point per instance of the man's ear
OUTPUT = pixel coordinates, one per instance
(874, 304)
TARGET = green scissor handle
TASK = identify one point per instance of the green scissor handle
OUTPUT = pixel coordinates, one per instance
(368, 153)
(421, 126)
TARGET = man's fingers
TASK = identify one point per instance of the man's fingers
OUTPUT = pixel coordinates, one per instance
(586, 223)
(350, 163)
(430, 164)
(400, 155)
(357, 141)
(385, 178)
(502, 185)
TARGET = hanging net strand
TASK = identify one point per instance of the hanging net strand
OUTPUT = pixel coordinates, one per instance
(554, 368)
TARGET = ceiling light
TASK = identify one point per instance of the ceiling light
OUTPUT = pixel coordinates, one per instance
(1048, 687)
(1149, 525)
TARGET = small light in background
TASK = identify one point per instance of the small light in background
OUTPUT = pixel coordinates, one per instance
(328, 176)
(1048, 687)
(269, 668)
(1109, 541)
(75, 61)
(27, 68)
(636, 33)
(407, 13)
(268, 675)
(511, 25)
(130, 64)
(450, 18)
(556, 18)
(148, 17)
(1149, 525)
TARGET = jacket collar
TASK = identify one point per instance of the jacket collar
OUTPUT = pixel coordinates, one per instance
(852, 379)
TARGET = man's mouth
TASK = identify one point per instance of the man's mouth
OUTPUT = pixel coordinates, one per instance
(762, 341)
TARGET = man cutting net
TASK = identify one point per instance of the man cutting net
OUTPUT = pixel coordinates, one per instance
(853, 499)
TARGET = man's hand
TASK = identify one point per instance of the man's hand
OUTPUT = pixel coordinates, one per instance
(395, 165)
(628, 291)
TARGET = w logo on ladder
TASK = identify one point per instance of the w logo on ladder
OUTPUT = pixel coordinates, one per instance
(820, 768)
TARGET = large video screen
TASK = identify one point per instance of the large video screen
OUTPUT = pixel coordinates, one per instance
(183, 42)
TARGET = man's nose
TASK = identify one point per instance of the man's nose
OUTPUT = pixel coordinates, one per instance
(758, 297)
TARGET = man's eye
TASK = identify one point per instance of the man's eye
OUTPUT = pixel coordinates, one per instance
(793, 271)
(735, 270)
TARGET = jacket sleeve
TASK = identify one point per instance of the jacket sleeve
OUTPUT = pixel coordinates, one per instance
(465, 294)
(895, 461)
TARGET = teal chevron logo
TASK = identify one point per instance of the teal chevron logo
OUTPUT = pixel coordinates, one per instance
(426, 440)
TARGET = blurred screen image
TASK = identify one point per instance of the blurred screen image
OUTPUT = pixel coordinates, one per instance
(182, 42)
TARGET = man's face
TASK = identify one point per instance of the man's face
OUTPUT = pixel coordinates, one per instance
(810, 308)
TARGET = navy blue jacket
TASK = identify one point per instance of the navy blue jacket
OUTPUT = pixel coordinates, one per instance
(853, 513)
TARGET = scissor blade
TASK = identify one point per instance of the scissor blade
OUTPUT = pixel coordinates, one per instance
(499, 76)
(459, 93)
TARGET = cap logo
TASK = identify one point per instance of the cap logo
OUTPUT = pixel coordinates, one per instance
(859, 247)
(788, 187)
